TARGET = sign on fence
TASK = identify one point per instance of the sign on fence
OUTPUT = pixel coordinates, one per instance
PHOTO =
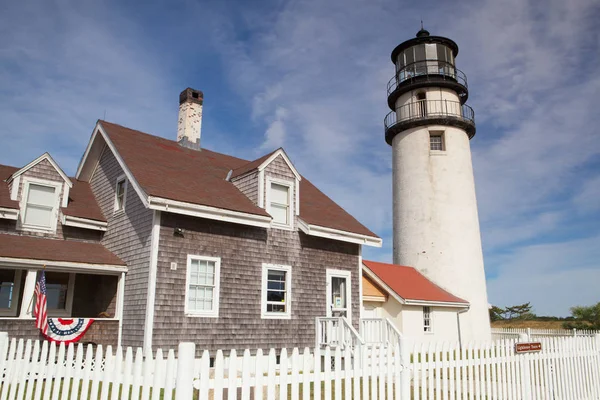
(528, 347)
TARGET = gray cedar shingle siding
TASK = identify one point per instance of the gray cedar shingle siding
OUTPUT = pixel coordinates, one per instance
(243, 250)
(128, 236)
(104, 332)
(248, 184)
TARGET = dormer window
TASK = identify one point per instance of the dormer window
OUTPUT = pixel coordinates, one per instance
(279, 202)
(40, 204)
(120, 194)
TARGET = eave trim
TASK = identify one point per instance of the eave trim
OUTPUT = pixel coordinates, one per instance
(336, 234)
(85, 223)
(68, 265)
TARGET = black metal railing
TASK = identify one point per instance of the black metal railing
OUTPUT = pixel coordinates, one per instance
(427, 68)
(430, 109)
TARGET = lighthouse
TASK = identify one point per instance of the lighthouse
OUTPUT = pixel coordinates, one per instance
(436, 225)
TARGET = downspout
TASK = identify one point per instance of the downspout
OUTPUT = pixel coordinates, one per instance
(458, 325)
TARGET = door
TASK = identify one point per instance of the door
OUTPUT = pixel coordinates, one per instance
(339, 301)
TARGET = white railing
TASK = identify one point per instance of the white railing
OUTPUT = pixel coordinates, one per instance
(336, 332)
(565, 368)
(379, 330)
(513, 333)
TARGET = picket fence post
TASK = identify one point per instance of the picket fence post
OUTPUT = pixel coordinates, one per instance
(184, 385)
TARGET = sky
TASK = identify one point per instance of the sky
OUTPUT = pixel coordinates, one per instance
(310, 75)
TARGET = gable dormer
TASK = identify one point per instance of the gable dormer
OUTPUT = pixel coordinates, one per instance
(272, 183)
(41, 188)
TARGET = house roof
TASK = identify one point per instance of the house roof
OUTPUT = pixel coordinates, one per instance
(5, 201)
(252, 165)
(165, 169)
(372, 290)
(410, 284)
(35, 248)
(82, 202)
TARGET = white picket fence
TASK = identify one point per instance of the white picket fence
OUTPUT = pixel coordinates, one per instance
(513, 333)
(566, 368)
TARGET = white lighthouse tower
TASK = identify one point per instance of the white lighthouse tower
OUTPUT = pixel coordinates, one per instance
(436, 226)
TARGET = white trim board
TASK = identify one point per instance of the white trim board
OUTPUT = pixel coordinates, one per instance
(335, 234)
(65, 266)
(85, 223)
(410, 302)
(9, 213)
(151, 294)
(219, 214)
(45, 156)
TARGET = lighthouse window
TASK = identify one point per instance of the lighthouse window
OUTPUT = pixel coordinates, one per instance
(436, 141)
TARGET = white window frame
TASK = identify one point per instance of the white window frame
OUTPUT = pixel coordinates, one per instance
(338, 273)
(290, 186)
(58, 186)
(121, 178)
(67, 311)
(440, 134)
(214, 313)
(288, 291)
(428, 311)
(16, 296)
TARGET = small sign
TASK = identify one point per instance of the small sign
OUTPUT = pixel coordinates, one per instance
(528, 347)
(338, 302)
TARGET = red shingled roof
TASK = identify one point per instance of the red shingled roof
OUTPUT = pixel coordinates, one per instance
(251, 165)
(165, 169)
(410, 284)
(5, 201)
(82, 202)
(27, 247)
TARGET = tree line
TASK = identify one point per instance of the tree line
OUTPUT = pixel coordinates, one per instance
(582, 317)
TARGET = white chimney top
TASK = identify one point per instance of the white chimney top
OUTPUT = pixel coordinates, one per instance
(189, 127)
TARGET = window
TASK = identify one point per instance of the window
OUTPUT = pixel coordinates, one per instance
(202, 286)
(421, 104)
(120, 193)
(427, 319)
(279, 203)
(10, 286)
(276, 291)
(40, 205)
(436, 141)
(59, 293)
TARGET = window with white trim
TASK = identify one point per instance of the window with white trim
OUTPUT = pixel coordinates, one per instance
(276, 291)
(427, 327)
(202, 286)
(120, 193)
(279, 202)
(436, 141)
(40, 204)
(10, 287)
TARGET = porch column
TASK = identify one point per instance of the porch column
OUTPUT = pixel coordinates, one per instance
(28, 292)
(119, 308)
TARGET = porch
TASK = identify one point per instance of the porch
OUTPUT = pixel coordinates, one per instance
(71, 293)
(334, 332)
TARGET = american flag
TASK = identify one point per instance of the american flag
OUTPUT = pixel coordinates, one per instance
(40, 311)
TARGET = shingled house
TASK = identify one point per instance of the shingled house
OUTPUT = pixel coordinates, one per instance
(163, 241)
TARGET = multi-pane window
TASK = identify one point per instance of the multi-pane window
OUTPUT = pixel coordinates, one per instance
(279, 203)
(40, 206)
(203, 286)
(9, 291)
(436, 142)
(427, 319)
(120, 194)
(276, 291)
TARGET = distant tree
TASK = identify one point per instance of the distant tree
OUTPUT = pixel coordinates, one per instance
(584, 317)
(518, 311)
(496, 313)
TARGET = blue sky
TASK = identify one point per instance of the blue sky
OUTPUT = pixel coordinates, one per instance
(310, 76)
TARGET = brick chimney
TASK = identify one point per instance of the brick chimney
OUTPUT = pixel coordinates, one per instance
(190, 118)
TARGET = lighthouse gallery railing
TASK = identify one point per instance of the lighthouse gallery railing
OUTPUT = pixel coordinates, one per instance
(430, 109)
